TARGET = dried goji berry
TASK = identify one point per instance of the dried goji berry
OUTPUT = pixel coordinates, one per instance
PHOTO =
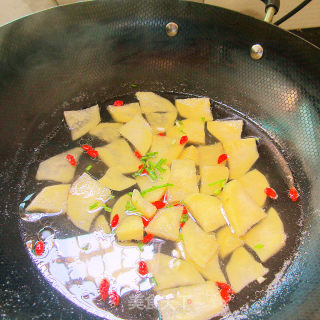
(92, 153)
(144, 171)
(118, 103)
(104, 288)
(143, 269)
(222, 157)
(71, 159)
(145, 221)
(114, 297)
(183, 139)
(293, 194)
(138, 154)
(162, 134)
(271, 193)
(39, 248)
(159, 204)
(86, 147)
(115, 221)
(147, 238)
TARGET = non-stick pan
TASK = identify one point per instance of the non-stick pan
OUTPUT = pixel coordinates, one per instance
(74, 56)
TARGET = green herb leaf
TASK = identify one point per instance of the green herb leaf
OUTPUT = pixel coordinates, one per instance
(88, 168)
(180, 236)
(106, 208)
(93, 206)
(140, 245)
(216, 192)
(155, 188)
(222, 181)
(203, 119)
(130, 194)
(130, 206)
(133, 85)
(184, 218)
(258, 246)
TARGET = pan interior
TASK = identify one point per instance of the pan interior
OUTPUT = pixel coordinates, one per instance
(74, 260)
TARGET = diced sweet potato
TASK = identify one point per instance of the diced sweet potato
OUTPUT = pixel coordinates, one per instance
(184, 180)
(106, 131)
(161, 122)
(194, 108)
(225, 130)
(142, 205)
(119, 207)
(242, 154)
(57, 168)
(82, 121)
(130, 228)
(124, 113)
(241, 210)
(101, 223)
(118, 154)
(151, 102)
(228, 241)
(190, 153)
(209, 154)
(170, 272)
(267, 237)
(206, 210)
(115, 180)
(243, 269)
(213, 179)
(166, 223)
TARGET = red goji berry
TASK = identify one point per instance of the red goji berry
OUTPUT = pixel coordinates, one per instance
(145, 221)
(147, 238)
(182, 224)
(271, 193)
(225, 291)
(222, 157)
(138, 154)
(39, 248)
(225, 286)
(114, 297)
(118, 103)
(189, 301)
(225, 295)
(159, 204)
(293, 194)
(162, 134)
(115, 221)
(183, 139)
(104, 288)
(184, 211)
(143, 269)
(92, 153)
(144, 171)
(86, 147)
(71, 159)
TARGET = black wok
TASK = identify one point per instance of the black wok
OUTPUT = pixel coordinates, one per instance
(74, 56)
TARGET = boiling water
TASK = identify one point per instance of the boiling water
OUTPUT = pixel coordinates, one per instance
(75, 262)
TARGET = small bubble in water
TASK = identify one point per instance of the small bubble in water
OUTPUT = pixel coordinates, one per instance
(45, 233)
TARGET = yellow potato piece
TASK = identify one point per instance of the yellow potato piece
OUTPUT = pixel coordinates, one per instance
(199, 245)
(130, 228)
(151, 102)
(115, 180)
(170, 272)
(254, 182)
(106, 131)
(101, 223)
(196, 302)
(51, 199)
(209, 154)
(243, 269)
(143, 206)
(119, 207)
(124, 113)
(161, 122)
(212, 271)
(57, 168)
(82, 121)
(241, 210)
(166, 223)
(145, 182)
(206, 210)
(118, 154)
(184, 180)
(228, 241)
(213, 178)
(190, 153)
(166, 147)
(242, 154)
(193, 129)
(85, 192)
(194, 108)
(268, 233)
(138, 132)
(225, 130)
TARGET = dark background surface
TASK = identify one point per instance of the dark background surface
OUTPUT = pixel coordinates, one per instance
(312, 35)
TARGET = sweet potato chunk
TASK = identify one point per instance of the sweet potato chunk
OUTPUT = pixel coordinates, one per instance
(151, 102)
(106, 131)
(228, 241)
(130, 228)
(115, 180)
(225, 130)
(194, 108)
(124, 113)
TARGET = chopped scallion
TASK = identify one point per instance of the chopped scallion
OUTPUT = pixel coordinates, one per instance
(259, 246)
(140, 246)
(133, 85)
(106, 208)
(184, 218)
(155, 188)
(130, 194)
(203, 119)
(88, 168)
(93, 206)
(222, 181)
(180, 236)
(153, 279)
(130, 206)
